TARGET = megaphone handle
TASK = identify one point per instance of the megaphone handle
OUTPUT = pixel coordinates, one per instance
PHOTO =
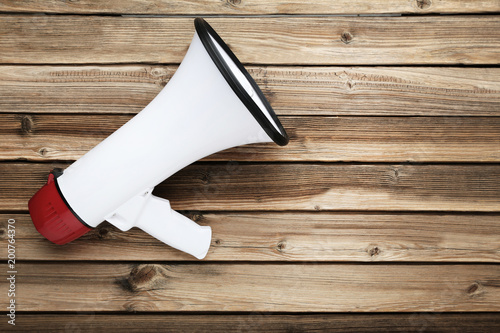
(174, 229)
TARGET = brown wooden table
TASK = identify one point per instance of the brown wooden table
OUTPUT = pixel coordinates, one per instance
(383, 212)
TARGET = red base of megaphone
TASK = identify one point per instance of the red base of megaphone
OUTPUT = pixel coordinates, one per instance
(52, 217)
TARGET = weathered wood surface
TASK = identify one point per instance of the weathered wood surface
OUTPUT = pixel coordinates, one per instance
(287, 237)
(267, 187)
(358, 91)
(403, 228)
(329, 139)
(250, 7)
(256, 287)
(257, 322)
(272, 40)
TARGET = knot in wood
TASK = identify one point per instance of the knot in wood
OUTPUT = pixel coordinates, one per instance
(394, 175)
(234, 2)
(474, 289)
(346, 37)
(423, 4)
(374, 251)
(281, 246)
(43, 151)
(205, 178)
(26, 124)
(103, 233)
(157, 72)
(197, 217)
(146, 277)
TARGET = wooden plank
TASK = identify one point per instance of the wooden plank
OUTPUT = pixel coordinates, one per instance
(250, 7)
(272, 40)
(286, 237)
(257, 322)
(365, 139)
(255, 287)
(389, 91)
(267, 187)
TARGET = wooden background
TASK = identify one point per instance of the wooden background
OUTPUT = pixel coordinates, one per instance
(383, 212)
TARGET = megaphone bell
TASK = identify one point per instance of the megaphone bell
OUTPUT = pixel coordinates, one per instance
(210, 104)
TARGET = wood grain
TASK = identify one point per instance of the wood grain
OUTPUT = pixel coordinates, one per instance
(328, 139)
(250, 7)
(62, 39)
(250, 287)
(267, 187)
(367, 210)
(358, 91)
(286, 237)
(258, 322)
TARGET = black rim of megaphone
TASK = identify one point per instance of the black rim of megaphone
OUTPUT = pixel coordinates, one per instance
(204, 31)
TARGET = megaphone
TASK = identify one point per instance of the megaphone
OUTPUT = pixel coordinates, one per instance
(210, 104)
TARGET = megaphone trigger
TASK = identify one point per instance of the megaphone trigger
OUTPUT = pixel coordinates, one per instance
(126, 215)
(154, 216)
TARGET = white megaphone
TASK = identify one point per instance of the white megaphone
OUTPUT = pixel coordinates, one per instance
(210, 104)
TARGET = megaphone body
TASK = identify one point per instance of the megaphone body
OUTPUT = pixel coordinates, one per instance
(210, 104)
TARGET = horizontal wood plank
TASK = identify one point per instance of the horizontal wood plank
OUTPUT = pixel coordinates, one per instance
(286, 237)
(250, 7)
(236, 186)
(255, 287)
(365, 139)
(358, 91)
(257, 322)
(272, 40)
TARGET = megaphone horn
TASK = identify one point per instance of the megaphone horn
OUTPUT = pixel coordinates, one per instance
(210, 104)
